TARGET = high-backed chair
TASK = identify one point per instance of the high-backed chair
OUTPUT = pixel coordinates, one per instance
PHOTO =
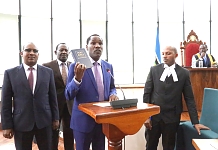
(209, 118)
(189, 48)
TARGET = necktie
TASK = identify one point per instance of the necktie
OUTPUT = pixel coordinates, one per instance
(30, 78)
(99, 82)
(205, 61)
(64, 73)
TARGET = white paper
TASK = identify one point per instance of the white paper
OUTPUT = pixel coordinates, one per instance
(107, 104)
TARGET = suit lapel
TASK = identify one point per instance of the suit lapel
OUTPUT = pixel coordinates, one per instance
(56, 70)
(106, 77)
(90, 73)
(161, 70)
(39, 78)
(177, 68)
(104, 74)
(68, 64)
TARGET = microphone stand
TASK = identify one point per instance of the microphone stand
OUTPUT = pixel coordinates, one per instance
(125, 103)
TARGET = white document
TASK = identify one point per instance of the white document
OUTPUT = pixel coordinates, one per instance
(107, 104)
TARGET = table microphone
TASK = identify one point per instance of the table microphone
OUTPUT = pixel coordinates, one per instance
(122, 103)
(108, 70)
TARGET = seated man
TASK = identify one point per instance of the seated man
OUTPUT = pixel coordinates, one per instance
(208, 59)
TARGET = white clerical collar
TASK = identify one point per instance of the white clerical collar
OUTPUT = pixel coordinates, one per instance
(168, 71)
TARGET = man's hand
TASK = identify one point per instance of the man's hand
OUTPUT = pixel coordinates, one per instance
(147, 124)
(113, 98)
(79, 70)
(55, 125)
(9, 133)
(199, 127)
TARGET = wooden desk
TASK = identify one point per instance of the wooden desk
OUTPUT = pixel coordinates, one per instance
(205, 144)
(117, 123)
(201, 78)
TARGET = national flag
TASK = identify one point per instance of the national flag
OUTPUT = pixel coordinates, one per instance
(157, 49)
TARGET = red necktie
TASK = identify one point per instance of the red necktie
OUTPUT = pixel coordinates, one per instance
(30, 78)
(99, 82)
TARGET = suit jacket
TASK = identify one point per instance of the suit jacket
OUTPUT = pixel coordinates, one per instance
(29, 109)
(168, 94)
(59, 84)
(87, 92)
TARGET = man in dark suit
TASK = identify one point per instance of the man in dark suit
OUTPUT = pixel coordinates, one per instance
(207, 59)
(165, 85)
(82, 86)
(60, 68)
(29, 102)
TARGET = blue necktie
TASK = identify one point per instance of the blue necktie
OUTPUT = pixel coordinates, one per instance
(205, 60)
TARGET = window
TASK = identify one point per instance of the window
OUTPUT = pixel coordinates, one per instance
(9, 43)
(145, 27)
(38, 31)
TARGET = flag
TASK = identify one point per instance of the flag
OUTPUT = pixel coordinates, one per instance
(157, 49)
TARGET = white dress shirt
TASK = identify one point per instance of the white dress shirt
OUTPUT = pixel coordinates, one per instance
(60, 66)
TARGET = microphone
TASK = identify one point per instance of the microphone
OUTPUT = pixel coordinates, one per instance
(122, 103)
(108, 70)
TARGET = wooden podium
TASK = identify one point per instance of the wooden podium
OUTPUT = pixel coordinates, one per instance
(201, 78)
(117, 123)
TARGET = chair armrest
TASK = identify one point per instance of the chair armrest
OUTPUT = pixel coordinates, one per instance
(188, 132)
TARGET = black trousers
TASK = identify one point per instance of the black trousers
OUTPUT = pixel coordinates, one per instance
(23, 140)
(67, 131)
(168, 132)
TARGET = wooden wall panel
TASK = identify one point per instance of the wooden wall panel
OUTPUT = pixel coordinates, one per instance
(202, 78)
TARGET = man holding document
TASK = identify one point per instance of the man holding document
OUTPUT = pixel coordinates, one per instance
(89, 85)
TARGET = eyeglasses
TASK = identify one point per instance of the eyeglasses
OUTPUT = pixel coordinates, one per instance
(29, 50)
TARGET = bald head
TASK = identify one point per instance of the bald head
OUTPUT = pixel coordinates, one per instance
(28, 43)
(169, 55)
(171, 48)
